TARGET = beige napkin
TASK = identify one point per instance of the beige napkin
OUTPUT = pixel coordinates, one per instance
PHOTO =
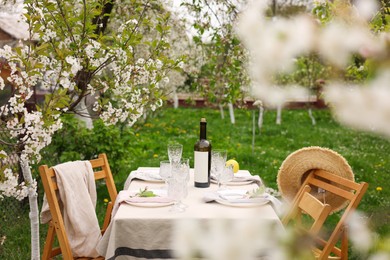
(239, 196)
(127, 196)
(242, 177)
(145, 174)
(239, 177)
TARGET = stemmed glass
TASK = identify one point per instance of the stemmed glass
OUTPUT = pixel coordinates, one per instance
(178, 184)
(218, 162)
(174, 152)
(165, 171)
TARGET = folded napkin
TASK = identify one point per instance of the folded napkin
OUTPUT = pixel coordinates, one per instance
(239, 196)
(145, 174)
(242, 177)
(239, 177)
(127, 196)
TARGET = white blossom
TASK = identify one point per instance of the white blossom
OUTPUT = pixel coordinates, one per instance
(48, 35)
(11, 188)
(181, 64)
(159, 64)
(140, 62)
(74, 62)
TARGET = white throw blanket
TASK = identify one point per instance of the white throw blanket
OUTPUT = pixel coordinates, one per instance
(76, 185)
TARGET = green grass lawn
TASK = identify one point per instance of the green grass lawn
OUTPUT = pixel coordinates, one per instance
(146, 145)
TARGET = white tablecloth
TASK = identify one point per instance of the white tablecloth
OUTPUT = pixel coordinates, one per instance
(146, 233)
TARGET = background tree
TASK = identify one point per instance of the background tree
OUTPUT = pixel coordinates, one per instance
(222, 79)
(87, 67)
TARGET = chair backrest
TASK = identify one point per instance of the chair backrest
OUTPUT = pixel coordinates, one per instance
(101, 171)
(310, 205)
(351, 192)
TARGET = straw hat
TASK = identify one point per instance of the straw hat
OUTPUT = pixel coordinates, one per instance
(297, 165)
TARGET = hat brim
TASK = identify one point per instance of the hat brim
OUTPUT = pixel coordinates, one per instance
(300, 163)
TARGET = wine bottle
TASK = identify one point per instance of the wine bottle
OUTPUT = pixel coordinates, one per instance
(202, 158)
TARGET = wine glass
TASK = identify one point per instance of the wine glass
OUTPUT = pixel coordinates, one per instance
(178, 184)
(174, 152)
(165, 170)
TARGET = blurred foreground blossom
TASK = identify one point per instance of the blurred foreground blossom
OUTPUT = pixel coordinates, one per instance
(225, 239)
(363, 107)
(275, 43)
(255, 238)
(366, 242)
(367, 8)
(359, 233)
(272, 45)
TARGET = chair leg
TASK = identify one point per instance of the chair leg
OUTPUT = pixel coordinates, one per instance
(51, 232)
(107, 218)
(344, 243)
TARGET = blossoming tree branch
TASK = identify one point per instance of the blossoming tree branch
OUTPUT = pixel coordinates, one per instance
(104, 59)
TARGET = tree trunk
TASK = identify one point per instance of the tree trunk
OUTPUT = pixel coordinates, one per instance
(221, 111)
(175, 100)
(231, 112)
(253, 131)
(313, 120)
(279, 114)
(260, 120)
(34, 212)
(82, 113)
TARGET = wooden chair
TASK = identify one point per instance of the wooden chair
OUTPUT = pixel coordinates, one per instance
(56, 226)
(307, 203)
(352, 192)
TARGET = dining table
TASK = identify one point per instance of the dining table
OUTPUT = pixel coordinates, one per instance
(147, 230)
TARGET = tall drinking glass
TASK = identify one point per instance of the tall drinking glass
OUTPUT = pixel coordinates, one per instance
(174, 152)
(178, 184)
(226, 175)
(218, 162)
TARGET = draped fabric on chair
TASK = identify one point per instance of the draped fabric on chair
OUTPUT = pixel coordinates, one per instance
(77, 191)
(59, 224)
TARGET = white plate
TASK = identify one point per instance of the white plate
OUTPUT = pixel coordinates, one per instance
(238, 183)
(158, 192)
(241, 204)
(233, 183)
(151, 204)
(150, 180)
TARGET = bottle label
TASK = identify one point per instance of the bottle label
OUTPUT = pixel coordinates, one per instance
(201, 167)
